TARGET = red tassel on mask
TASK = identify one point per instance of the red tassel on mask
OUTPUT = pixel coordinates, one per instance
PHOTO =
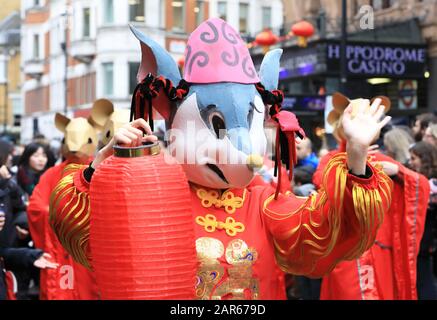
(288, 124)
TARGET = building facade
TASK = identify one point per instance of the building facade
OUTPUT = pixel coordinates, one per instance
(404, 26)
(103, 55)
(10, 82)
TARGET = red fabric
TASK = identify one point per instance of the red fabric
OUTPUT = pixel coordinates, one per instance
(70, 280)
(11, 285)
(306, 254)
(388, 269)
(243, 265)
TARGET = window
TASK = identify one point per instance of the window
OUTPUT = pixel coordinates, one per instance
(137, 11)
(133, 72)
(199, 11)
(3, 69)
(108, 79)
(36, 50)
(108, 13)
(244, 15)
(86, 29)
(221, 10)
(178, 15)
(266, 17)
(162, 13)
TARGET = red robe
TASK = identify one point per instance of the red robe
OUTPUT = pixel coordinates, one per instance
(387, 270)
(70, 281)
(243, 235)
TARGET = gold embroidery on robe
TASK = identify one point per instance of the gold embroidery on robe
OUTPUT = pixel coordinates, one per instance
(227, 200)
(236, 282)
(211, 224)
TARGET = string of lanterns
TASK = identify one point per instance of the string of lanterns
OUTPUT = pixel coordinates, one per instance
(302, 30)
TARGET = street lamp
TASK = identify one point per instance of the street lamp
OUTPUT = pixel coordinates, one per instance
(6, 89)
(5, 119)
(343, 58)
(64, 48)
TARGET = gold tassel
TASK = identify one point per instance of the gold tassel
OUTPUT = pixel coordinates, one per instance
(369, 210)
(70, 221)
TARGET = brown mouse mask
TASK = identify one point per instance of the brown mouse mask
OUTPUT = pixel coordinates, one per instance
(340, 103)
(80, 137)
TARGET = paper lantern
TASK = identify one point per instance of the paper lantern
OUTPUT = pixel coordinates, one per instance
(302, 30)
(142, 231)
(266, 39)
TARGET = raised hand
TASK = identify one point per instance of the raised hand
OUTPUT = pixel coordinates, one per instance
(362, 124)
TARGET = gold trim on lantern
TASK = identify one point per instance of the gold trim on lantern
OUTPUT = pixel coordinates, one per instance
(135, 152)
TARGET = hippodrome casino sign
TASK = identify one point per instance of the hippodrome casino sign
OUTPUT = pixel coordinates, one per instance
(380, 60)
(363, 59)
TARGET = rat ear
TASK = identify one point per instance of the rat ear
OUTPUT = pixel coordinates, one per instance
(61, 122)
(269, 70)
(101, 111)
(340, 102)
(155, 59)
(385, 102)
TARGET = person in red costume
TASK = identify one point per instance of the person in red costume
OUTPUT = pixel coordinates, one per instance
(387, 270)
(71, 280)
(243, 234)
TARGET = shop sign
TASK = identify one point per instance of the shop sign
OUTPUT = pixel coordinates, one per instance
(379, 60)
(407, 94)
(311, 103)
(300, 63)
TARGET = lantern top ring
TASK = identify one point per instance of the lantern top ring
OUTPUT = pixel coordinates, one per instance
(150, 149)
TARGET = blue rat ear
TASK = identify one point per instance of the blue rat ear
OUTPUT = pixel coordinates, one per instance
(269, 71)
(155, 59)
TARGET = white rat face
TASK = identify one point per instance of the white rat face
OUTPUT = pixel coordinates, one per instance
(212, 155)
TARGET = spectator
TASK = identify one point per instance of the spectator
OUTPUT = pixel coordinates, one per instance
(424, 161)
(305, 155)
(422, 122)
(11, 207)
(397, 143)
(32, 164)
(431, 135)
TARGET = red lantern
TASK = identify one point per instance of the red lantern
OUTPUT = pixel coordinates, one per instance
(266, 39)
(142, 231)
(302, 30)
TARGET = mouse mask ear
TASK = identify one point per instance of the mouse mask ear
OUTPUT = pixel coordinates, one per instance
(157, 61)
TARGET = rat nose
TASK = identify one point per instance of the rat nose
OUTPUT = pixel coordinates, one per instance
(254, 162)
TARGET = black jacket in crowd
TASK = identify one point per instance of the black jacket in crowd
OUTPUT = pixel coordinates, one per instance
(14, 259)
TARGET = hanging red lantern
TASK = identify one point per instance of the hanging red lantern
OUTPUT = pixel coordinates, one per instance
(266, 39)
(302, 30)
(141, 231)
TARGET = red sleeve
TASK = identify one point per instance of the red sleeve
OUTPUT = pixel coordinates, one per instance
(408, 227)
(69, 213)
(318, 174)
(311, 235)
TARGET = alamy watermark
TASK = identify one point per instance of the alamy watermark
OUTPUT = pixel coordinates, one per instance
(367, 19)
